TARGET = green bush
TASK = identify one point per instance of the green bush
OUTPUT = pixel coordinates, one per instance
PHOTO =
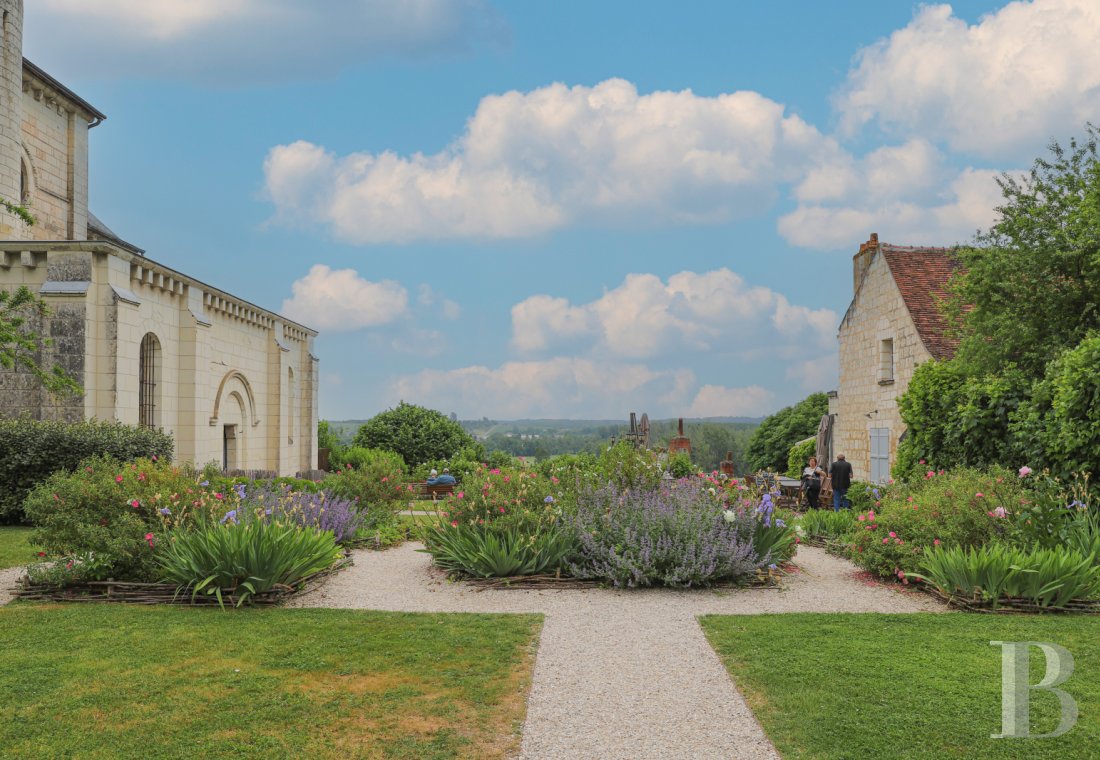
(1067, 402)
(964, 508)
(1047, 577)
(30, 451)
(865, 496)
(419, 435)
(798, 456)
(242, 559)
(377, 485)
(680, 466)
(627, 467)
(360, 458)
(107, 517)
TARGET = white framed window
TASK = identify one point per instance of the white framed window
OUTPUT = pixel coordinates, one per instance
(880, 454)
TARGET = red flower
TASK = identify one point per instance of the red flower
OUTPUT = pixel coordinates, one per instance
(118, 478)
(135, 504)
(41, 554)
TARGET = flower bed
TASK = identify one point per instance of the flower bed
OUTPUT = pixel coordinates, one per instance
(612, 521)
(147, 531)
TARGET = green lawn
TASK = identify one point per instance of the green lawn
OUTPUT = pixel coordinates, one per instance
(106, 681)
(15, 548)
(904, 686)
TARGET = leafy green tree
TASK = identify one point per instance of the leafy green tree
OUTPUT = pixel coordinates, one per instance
(419, 435)
(326, 439)
(771, 442)
(1030, 288)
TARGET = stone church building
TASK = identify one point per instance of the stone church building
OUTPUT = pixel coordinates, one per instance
(232, 382)
(892, 325)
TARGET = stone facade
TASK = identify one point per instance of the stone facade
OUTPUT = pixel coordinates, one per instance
(881, 344)
(234, 383)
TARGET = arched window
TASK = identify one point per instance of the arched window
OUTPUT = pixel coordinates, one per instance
(24, 184)
(148, 377)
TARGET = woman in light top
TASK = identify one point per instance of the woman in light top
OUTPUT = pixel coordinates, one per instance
(811, 482)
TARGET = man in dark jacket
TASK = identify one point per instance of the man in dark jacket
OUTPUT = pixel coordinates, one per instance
(841, 473)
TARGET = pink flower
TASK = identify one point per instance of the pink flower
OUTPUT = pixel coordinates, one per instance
(885, 540)
(898, 541)
(217, 496)
(454, 523)
(386, 479)
(507, 479)
(460, 494)
(861, 518)
(69, 565)
(979, 495)
(923, 462)
(149, 538)
(554, 480)
(118, 478)
(1025, 471)
(936, 542)
(929, 474)
(893, 534)
(135, 504)
(502, 510)
(154, 457)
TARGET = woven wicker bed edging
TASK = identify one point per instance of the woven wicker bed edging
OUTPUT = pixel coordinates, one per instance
(164, 593)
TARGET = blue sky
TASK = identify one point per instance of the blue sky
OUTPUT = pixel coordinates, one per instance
(562, 209)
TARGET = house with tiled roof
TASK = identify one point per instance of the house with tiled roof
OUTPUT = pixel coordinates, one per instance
(892, 325)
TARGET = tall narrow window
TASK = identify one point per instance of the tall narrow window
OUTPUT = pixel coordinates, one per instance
(148, 377)
(886, 361)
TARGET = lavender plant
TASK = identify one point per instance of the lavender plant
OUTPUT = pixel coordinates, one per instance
(672, 535)
(323, 510)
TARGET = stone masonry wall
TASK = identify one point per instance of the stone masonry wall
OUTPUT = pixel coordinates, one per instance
(11, 111)
(877, 313)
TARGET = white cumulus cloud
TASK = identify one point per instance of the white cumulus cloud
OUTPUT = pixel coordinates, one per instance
(646, 316)
(1026, 73)
(722, 401)
(338, 300)
(559, 387)
(531, 162)
(235, 41)
(907, 193)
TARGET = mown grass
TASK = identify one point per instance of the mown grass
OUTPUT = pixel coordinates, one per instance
(15, 547)
(904, 686)
(107, 681)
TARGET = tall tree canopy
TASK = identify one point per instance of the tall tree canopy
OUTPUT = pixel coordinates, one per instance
(1021, 389)
(419, 435)
(1031, 285)
(772, 441)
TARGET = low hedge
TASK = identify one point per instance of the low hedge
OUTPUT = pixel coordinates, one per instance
(31, 450)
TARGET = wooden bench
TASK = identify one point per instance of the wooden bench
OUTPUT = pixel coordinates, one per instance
(424, 491)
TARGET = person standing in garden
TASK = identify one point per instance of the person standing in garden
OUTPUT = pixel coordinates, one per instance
(811, 482)
(841, 473)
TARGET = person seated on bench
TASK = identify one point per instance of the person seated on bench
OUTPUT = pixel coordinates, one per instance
(446, 479)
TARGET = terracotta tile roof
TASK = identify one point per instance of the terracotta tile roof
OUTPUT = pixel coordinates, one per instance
(922, 275)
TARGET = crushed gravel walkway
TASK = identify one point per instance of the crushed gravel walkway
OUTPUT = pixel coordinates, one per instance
(622, 674)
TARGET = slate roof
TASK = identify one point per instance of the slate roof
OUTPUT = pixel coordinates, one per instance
(100, 231)
(922, 275)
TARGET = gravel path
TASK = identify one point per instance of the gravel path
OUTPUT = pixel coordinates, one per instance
(622, 674)
(8, 578)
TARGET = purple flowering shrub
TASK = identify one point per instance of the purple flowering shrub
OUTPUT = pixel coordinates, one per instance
(321, 510)
(676, 534)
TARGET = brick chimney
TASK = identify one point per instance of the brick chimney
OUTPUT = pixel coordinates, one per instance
(862, 260)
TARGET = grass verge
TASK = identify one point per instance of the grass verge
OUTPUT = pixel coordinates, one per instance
(106, 681)
(904, 686)
(15, 546)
